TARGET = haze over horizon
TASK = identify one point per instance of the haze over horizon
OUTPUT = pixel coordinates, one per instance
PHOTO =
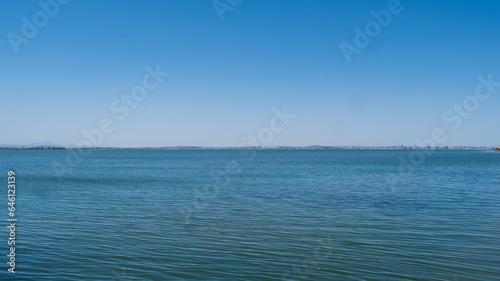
(430, 72)
(44, 144)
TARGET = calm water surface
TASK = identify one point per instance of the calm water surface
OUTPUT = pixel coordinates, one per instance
(275, 215)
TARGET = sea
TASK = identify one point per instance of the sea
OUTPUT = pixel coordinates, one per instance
(385, 215)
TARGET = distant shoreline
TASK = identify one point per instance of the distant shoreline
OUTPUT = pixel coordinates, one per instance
(314, 147)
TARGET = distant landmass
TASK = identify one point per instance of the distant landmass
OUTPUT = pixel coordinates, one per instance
(32, 145)
(47, 145)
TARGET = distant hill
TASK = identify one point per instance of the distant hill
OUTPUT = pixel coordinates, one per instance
(32, 144)
(498, 148)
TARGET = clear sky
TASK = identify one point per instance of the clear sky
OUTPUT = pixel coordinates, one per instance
(226, 76)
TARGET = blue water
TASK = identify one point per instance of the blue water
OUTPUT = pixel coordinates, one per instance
(275, 215)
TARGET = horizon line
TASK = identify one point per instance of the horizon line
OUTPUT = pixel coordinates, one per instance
(280, 147)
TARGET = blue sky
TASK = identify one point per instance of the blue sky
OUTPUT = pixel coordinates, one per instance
(226, 76)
